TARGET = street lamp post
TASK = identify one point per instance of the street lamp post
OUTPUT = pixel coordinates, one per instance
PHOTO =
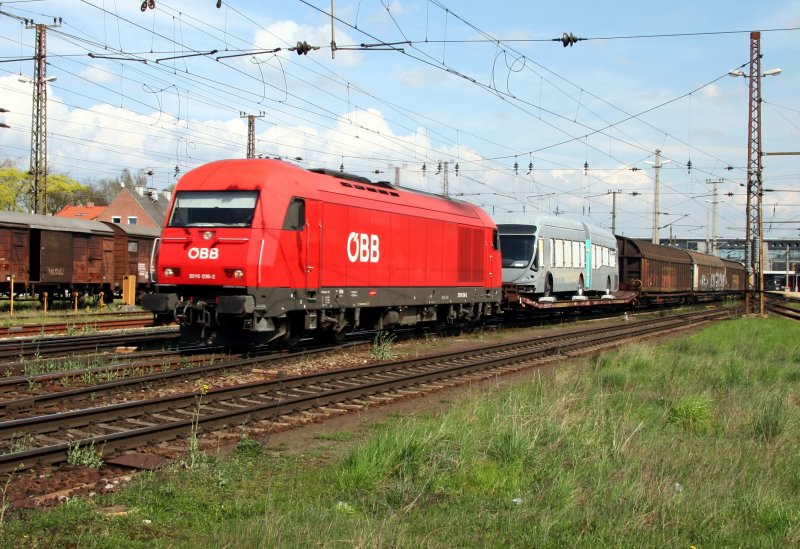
(657, 168)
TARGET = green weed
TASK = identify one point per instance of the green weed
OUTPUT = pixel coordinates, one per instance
(195, 454)
(382, 346)
(87, 456)
(21, 442)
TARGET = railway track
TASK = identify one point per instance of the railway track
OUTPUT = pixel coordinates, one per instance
(118, 428)
(173, 368)
(130, 320)
(783, 310)
(24, 348)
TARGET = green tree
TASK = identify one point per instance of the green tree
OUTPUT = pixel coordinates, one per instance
(63, 190)
(14, 187)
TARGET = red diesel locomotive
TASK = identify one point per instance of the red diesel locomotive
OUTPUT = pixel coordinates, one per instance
(265, 248)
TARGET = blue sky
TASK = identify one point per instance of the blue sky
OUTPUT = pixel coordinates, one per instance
(479, 86)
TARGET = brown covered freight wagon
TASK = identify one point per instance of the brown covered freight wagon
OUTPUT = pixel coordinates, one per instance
(14, 246)
(133, 254)
(735, 277)
(57, 255)
(659, 273)
(708, 276)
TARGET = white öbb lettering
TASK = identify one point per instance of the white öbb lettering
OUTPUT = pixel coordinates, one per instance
(363, 248)
(203, 253)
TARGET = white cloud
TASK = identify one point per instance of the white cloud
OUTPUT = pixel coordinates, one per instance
(414, 77)
(711, 92)
(98, 74)
(397, 8)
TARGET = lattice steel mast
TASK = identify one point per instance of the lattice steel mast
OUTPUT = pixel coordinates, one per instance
(754, 235)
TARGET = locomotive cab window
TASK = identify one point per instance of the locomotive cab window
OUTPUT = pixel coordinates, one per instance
(213, 209)
(295, 219)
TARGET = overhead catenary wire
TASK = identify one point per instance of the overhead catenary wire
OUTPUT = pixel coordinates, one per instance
(332, 116)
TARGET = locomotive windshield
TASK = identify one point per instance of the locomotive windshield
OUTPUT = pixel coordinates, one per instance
(213, 209)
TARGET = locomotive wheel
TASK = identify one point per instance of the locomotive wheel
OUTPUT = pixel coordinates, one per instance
(294, 331)
(332, 335)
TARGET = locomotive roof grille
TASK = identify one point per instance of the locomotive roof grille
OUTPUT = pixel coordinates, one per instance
(341, 175)
(351, 177)
(370, 189)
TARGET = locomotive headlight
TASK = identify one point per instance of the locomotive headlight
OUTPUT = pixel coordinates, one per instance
(238, 273)
(168, 272)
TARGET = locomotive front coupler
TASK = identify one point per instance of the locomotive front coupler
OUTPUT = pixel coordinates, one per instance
(188, 313)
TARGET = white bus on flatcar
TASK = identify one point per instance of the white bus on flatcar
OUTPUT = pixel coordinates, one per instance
(550, 256)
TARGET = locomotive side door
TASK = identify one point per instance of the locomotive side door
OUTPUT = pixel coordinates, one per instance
(313, 247)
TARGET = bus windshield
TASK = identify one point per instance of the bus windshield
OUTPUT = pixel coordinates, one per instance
(517, 249)
(213, 209)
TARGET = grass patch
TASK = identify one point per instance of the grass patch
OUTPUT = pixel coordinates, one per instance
(692, 413)
(692, 442)
(340, 436)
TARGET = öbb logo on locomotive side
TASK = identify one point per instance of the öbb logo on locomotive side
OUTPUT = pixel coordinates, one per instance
(363, 248)
(203, 253)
